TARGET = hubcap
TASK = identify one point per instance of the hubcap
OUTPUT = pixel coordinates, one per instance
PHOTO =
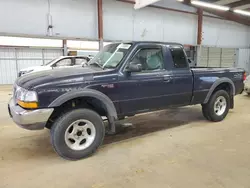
(220, 105)
(80, 134)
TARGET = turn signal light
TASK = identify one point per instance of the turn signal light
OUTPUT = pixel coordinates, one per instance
(27, 104)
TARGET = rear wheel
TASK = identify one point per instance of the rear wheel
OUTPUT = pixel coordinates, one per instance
(205, 112)
(217, 107)
(77, 134)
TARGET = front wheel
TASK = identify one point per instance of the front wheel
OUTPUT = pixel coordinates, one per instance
(217, 107)
(77, 134)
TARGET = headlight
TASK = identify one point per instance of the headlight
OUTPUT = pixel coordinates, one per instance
(25, 98)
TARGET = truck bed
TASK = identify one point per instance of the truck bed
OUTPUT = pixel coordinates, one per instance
(204, 77)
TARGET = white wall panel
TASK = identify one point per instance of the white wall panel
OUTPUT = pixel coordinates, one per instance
(8, 69)
(214, 57)
(12, 60)
(203, 61)
(217, 57)
(148, 24)
(222, 33)
(122, 22)
(23, 16)
(118, 20)
(74, 18)
(228, 57)
(70, 18)
(243, 59)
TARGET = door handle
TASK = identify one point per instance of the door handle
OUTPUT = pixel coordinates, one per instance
(167, 79)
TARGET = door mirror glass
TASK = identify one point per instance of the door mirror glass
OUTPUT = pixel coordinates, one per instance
(133, 67)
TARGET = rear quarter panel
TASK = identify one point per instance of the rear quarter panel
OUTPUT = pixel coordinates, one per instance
(204, 78)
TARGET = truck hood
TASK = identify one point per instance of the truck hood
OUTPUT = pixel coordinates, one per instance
(56, 77)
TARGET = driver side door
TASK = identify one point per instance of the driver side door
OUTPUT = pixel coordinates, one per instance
(142, 91)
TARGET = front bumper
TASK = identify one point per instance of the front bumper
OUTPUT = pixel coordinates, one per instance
(29, 119)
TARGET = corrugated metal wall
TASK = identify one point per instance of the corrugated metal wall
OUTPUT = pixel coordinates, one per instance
(217, 57)
(243, 59)
(14, 59)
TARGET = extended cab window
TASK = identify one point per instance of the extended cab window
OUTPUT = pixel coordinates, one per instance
(179, 57)
(150, 59)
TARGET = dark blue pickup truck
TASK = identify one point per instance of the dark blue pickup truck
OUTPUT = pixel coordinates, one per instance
(122, 80)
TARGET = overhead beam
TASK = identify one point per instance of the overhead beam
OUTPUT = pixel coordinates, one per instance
(238, 3)
(226, 15)
(143, 3)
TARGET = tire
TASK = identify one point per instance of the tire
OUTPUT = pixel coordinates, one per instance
(68, 140)
(217, 107)
(205, 112)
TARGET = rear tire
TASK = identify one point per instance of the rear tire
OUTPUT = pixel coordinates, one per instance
(77, 134)
(217, 107)
(205, 112)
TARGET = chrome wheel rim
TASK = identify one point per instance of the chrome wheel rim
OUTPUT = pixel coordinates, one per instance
(80, 134)
(220, 105)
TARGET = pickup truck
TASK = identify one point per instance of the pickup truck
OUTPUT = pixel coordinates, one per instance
(122, 80)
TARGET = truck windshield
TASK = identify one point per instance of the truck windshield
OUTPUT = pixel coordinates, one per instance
(110, 56)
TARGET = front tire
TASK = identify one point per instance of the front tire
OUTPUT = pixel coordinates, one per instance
(217, 107)
(77, 134)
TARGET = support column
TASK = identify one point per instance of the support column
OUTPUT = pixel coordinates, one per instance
(199, 35)
(65, 48)
(200, 21)
(100, 23)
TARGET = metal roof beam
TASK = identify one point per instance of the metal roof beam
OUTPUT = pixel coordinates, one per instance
(224, 14)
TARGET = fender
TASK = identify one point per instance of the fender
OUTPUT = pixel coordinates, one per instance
(108, 104)
(218, 82)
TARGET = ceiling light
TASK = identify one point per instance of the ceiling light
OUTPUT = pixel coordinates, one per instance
(210, 5)
(243, 12)
(180, 0)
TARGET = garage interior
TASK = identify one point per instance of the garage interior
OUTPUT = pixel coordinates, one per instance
(171, 148)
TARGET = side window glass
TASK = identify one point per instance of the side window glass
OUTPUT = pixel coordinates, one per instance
(150, 59)
(63, 62)
(178, 57)
(80, 61)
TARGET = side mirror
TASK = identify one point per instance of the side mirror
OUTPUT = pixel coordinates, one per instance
(189, 61)
(134, 67)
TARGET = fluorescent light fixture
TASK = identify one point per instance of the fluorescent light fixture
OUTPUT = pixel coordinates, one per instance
(210, 5)
(243, 12)
(180, 0)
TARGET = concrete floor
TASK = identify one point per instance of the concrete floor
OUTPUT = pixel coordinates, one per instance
(171, 149)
